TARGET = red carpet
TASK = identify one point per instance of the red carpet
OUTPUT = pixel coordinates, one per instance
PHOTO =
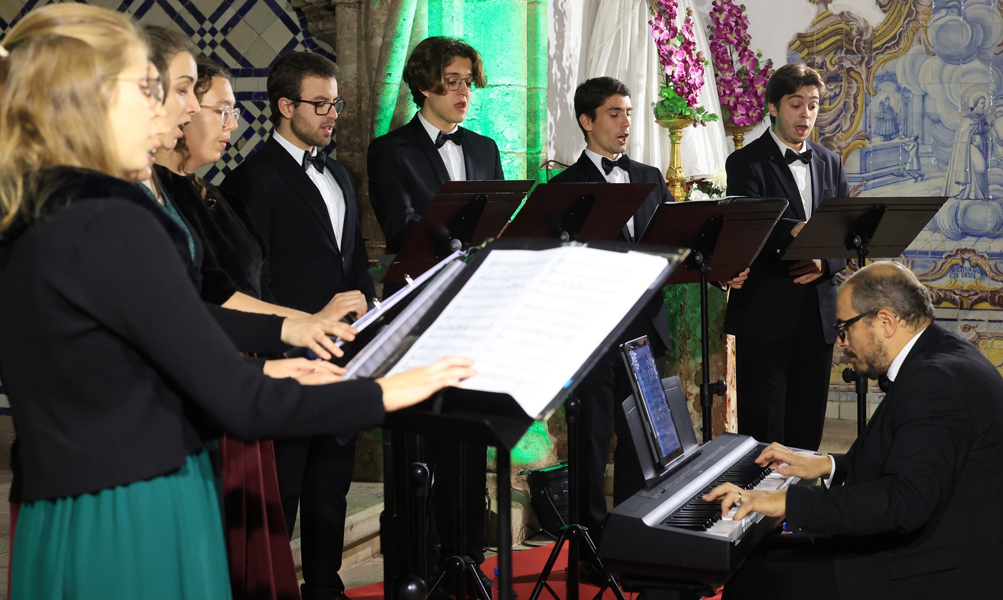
(526, 568)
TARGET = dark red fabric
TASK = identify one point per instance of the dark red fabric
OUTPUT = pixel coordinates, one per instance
(261, 561)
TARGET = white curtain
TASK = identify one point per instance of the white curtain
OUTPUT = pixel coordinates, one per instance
(616, 41)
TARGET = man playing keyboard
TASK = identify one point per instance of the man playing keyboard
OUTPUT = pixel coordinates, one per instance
(912, 509)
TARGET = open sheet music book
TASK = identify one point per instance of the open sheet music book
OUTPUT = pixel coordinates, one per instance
(529, 318)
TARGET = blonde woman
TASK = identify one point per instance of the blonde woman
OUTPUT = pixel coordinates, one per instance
(114, 368)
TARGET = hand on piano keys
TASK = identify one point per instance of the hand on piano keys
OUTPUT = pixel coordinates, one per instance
(764, 501)
(804, 465)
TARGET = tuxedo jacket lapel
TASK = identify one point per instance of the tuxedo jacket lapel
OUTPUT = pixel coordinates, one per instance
(296, 179)
(590, 169)
(347, 249)
(430, 151)
(817, 177)
(470, 163)
(594, 174)
(778, 164)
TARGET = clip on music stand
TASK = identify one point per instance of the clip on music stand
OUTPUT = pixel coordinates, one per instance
(858, 228)
(579, 212)
(724, 237)
(463, 214)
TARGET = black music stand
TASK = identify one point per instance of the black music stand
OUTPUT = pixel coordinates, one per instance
(468, 415)
(580, 212)
(858, 228)
(724, 236)
(463, 214)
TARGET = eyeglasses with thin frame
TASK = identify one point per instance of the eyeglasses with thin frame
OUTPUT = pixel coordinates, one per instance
(843, 326)
(323, 107)
(453, 83)
(225, 112)
(151, 87)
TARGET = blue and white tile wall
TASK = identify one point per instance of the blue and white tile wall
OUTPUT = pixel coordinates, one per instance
(245, 36)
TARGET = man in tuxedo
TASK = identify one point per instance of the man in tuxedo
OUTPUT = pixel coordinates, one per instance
(406, 169)
(408, 165)
(303, 203)
(782, 317)
(603, 108)
(912, 509)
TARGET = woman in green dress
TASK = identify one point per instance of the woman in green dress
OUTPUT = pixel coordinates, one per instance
(115, 370)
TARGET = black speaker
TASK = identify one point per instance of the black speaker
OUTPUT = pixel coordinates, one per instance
(549, 497)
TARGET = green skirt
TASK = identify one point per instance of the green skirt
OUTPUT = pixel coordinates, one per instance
(155, 539)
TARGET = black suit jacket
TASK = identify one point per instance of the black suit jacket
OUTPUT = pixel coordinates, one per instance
(406, 172)
(916, 499)
(585, 171)
(304, 267)
(768, 305)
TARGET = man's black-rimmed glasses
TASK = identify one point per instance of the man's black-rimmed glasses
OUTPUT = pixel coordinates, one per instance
(842, 326)
(323, 107)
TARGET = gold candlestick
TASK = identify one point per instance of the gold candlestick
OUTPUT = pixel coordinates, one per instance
(737, 133)
(674, 176)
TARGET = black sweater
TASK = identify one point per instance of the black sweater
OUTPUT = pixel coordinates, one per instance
(111, 361)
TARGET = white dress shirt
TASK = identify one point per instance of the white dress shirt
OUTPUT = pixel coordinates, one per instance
(617, 175)
(451, 152)
(801, 172)
(893, 372)
(330, 191)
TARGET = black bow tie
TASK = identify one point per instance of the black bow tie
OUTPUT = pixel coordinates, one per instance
(456, 137)
(885, 384)
(792, 156)
(317, 161)
(623, 162)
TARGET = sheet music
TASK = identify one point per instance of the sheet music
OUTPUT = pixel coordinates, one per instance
(530, 319)
(399, 295)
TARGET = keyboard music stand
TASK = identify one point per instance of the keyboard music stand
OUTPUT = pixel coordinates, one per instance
(724, 236)
(858, 228)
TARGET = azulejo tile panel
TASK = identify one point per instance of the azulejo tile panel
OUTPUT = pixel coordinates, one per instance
(919, 112)
(246, 36)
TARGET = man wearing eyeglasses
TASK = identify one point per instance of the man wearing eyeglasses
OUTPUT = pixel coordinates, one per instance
(303, 203)
(406, 169)
(408, 165)
(912, 509)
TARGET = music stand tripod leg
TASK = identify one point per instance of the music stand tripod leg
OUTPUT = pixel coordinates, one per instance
(574, 532)
(461, 566)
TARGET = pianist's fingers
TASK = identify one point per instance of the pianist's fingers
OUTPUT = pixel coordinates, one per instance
(794, 464)
(414, 385)
(728, 493)
(770, 504)
(774, 455)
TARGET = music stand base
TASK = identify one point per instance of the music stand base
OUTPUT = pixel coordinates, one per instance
(464, 570)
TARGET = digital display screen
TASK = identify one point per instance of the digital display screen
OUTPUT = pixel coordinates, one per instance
(665, 440)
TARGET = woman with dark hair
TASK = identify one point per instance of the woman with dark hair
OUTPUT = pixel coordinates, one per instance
(116, 371)
(174, 53)
(261, 562)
